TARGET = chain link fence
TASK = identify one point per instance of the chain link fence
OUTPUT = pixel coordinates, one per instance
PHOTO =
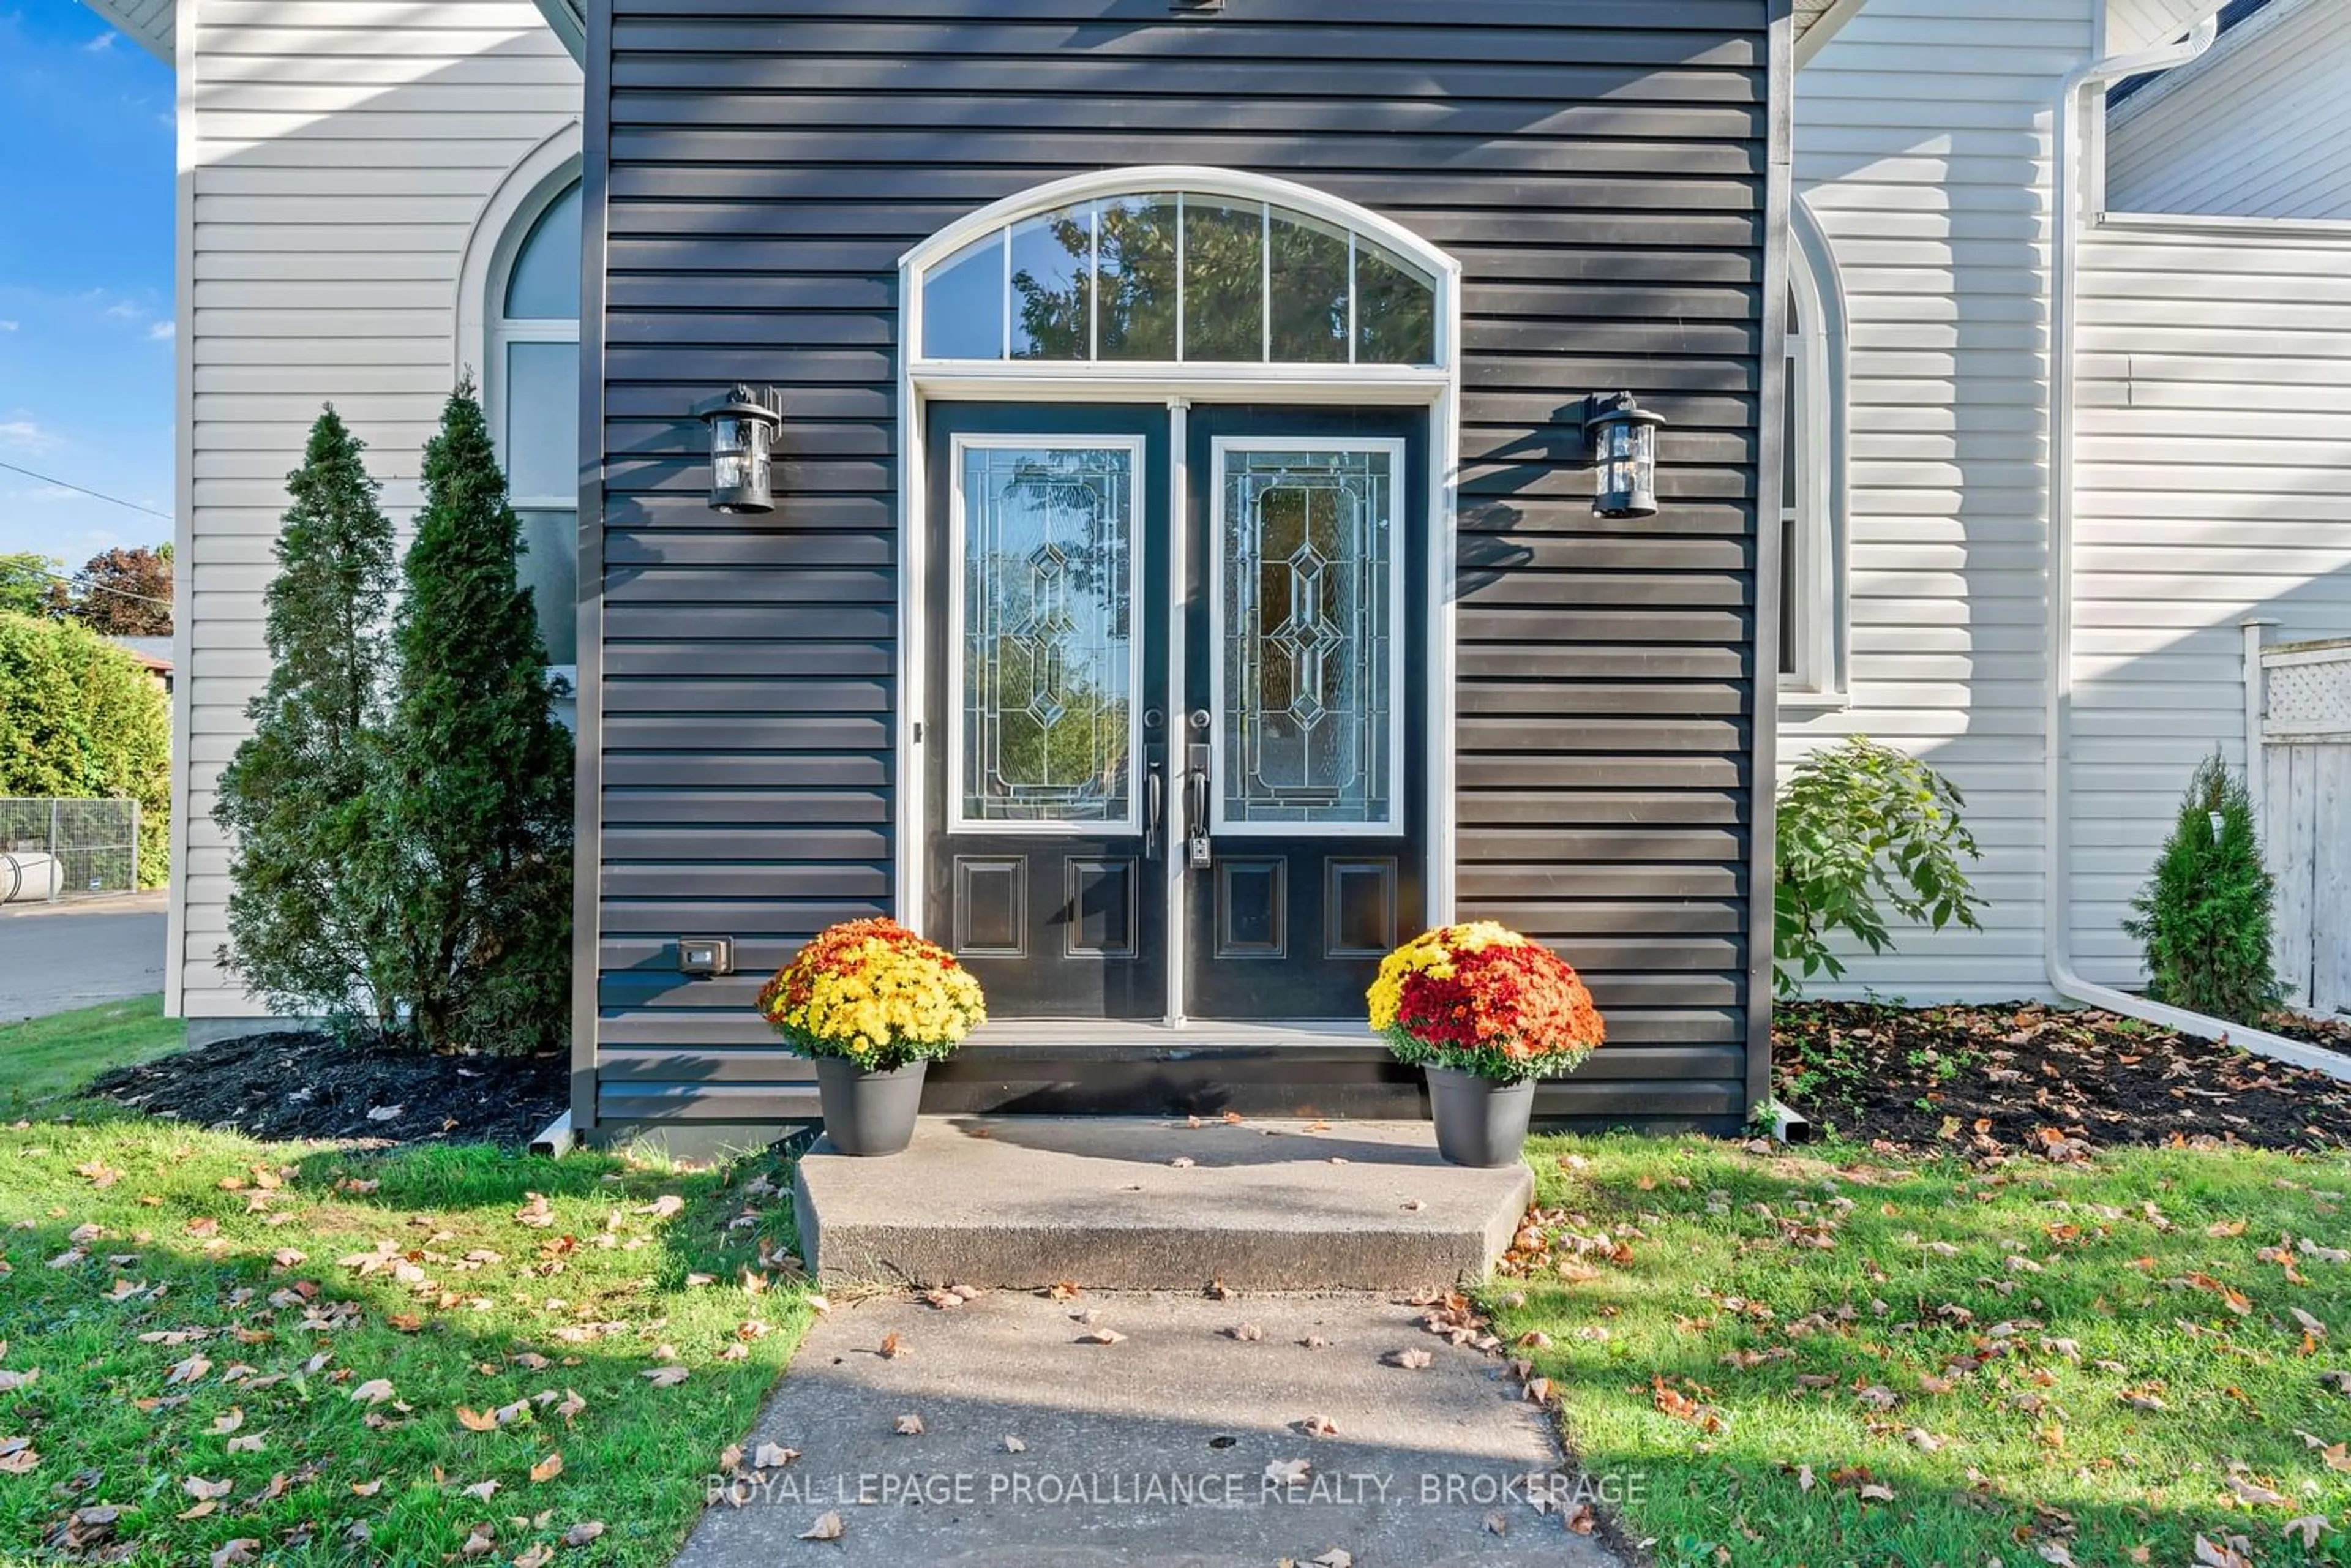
(52, 849)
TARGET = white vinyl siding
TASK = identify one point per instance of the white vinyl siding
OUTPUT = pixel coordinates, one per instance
(2260, 128)
(2213, 473)
(2213, 455)
(1922, 144)
(343, 151)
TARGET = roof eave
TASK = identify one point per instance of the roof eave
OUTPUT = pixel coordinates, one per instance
(568, 20)
(153, 27)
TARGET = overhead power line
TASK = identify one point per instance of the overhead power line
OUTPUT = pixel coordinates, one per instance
(85, 490)
(72, 581)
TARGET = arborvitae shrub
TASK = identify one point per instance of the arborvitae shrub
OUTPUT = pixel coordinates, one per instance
(303, 919)
(2207, 914)
(471, 805)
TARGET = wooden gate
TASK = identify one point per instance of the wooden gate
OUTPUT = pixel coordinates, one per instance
(2306, 816)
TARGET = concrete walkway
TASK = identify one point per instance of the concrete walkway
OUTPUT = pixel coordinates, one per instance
(55, 958)
(1185, 1441)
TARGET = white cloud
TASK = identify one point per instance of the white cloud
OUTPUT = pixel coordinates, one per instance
(100, 44)
(7, 326)
(163, 331)
(26, 435)
(126, 310)
(52, 493)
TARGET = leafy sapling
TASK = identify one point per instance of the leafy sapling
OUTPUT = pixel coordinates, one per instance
(1861, 823)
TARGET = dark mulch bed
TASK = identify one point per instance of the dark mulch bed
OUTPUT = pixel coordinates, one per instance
(305, 1085)
(1986, 1080)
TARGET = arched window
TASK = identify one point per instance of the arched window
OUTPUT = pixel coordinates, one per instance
(1180, 276)
(531, 385)
(1811, 484)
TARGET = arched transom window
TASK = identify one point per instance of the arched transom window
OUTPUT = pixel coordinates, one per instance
(1178, 275)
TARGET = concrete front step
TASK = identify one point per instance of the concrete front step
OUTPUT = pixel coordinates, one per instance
(1132, 1204)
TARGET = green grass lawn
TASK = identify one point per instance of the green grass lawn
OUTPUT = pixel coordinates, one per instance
(45, 1058)
(210, 1340)
(1841, 1358)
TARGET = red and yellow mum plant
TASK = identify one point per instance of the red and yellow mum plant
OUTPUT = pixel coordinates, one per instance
(1482, 998)
(874, 992)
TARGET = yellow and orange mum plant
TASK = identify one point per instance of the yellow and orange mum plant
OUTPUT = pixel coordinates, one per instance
(1481, 998)
(874, 992)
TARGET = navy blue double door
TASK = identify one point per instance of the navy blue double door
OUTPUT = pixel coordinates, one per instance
(1174, 752)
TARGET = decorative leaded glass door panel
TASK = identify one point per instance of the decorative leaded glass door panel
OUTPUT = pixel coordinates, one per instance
(1305, 761)
(1045, 744)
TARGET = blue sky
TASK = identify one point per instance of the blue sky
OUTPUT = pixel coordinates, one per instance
(88, 159)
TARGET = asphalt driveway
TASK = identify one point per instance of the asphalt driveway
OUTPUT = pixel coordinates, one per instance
(56, 957)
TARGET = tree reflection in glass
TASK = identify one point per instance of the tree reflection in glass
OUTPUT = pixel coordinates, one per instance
(1162, 277)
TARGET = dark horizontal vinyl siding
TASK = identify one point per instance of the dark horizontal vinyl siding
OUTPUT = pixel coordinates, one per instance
(1600, 171)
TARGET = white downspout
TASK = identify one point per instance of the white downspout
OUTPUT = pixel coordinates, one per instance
(2058, 641)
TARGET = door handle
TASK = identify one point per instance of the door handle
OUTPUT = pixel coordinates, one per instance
(1155, 806)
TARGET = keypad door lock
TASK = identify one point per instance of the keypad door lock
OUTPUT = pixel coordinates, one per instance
(1199, 759)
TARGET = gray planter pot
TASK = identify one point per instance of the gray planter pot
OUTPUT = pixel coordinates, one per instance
(868, 1113)
(1480, 1123)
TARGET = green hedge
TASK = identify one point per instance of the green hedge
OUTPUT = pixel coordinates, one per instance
(81, 719)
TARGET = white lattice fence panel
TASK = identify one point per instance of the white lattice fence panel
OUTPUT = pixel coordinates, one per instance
(2308, 687)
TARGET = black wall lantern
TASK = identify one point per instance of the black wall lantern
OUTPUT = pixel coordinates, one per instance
(743, 425)
(1622, 436)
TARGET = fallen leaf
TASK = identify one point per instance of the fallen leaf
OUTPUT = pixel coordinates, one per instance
(827, 1527)
(910, 1425)
(199, 1489)
(374, 1391)
(1101, 1336)
(664, 1377)
(248, 1444)
(240, 1550)
(1411, 1360)
(663, 1206)
(1013, 1445)
(1245, 1331)
(891, 1347)
(483, 1489)
(1319, 1427)
(581, 1533)
(1288, 1472)
(475, 1421)
(223, 1425)
(538, 1554)
(771, 1456)
(547, 1468)
(2209, 1555)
